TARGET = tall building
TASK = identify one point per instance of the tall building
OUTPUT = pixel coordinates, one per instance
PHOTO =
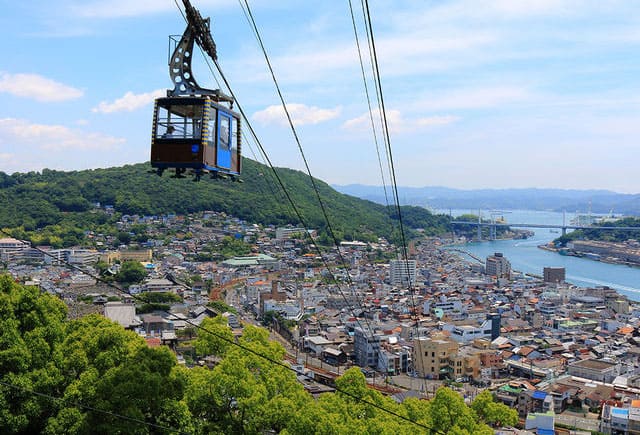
(431, 356)
(402, 272)
(497, 265)
(11, 248)
(366, 347)
(440, 357)
(554, 274)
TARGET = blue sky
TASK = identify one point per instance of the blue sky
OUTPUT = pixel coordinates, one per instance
(490, 94)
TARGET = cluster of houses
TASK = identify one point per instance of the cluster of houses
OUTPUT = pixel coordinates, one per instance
(544, 346)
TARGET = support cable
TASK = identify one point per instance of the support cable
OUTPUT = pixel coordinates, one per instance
(289, 199)
(366, 90)
(390, 154)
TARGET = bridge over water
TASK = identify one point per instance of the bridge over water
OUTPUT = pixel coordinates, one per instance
(493, 225)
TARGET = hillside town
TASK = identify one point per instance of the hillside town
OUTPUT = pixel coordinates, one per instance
(562, 355)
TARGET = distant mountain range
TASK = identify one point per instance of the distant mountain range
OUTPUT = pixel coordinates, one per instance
(581, 201)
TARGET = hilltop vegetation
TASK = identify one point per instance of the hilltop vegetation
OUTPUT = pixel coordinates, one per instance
(604, 235)
(55, 207)
(89, 376)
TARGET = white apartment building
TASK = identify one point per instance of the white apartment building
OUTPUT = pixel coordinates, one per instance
(402, 272)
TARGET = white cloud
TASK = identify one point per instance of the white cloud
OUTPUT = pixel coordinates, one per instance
(37, 87)
(17, 132)
(397, 123)
(129, 102)
(301, 114)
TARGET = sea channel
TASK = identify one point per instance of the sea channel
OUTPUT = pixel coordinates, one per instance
(525, 256)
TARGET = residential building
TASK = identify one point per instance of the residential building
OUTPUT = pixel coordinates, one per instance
(497, 265)
(123, 313)
(366, 347)
(554, 274)
(142, 255)
(620, 306)
(159, 285)
(596, 370)
(431, 356)
(542, 423)
(275, 295)
(489, 328)
(285, 233)
(11, 249)
(402, 272)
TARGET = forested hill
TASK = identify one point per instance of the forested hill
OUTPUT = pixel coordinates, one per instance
(55, 198)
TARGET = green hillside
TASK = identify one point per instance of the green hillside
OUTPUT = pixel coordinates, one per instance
(61, 204)
(604, 235)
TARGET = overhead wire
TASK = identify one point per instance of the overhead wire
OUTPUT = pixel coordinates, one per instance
(91, 408)
(326, 217)
(172, 316)
(385, 125)
(379, 110)
(293, 130)
(249, 15)
(366, 90)
(377, 92)
(373, 128)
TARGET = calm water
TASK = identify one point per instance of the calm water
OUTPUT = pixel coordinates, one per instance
(525, 255)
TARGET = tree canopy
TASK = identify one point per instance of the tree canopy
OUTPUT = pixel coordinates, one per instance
(604, 235)
(91, 376)
(55, 207)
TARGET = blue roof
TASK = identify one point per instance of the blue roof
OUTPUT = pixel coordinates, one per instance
(545, 432)
(539, 395)
(620, 412)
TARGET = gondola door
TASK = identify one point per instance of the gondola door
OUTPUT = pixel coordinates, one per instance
(224, 140)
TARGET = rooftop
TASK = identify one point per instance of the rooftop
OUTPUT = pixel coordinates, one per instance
(593, 364)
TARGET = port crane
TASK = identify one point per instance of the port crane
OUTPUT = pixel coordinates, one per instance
(195, 129)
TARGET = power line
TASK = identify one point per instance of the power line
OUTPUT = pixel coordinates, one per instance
(90, 408)
(294, 131)
(378, 81)
(290, 200)
(366, 90)
(373, 71)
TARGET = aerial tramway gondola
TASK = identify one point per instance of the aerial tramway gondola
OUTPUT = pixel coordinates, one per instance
(194, 129)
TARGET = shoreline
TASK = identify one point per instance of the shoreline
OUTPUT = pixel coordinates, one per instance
(590, 256)
(458, 250)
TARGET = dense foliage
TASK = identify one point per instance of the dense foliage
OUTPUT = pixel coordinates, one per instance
(55, 208)
(91, 376)
(604, 235)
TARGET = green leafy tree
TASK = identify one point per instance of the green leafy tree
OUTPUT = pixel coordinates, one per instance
(131, 272)
(31, 329)
(127, 387)
(492, 412)
(450, 415)
(214, 337)
(220, 307)
(246, 393)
